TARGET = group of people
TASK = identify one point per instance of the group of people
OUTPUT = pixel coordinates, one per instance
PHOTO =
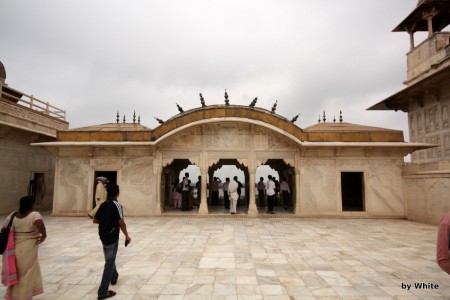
(183, 197)
(182, 194)
(273, 190)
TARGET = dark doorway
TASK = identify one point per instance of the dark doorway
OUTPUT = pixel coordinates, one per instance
(37, 187)
(352, 186)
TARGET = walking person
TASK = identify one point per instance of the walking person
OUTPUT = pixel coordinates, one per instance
(233, 194)
(285, 193)
(270, 192)
(27, 233)
(100, 194)
(110, 220)
(226, 198)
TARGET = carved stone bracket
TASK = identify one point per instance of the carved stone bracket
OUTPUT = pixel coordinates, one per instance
(337, 151)
(434, 94)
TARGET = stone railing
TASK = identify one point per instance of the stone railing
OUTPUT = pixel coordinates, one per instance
(432, 54)
(31, 102)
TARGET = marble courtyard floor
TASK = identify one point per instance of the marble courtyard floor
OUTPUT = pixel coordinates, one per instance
(223, 257)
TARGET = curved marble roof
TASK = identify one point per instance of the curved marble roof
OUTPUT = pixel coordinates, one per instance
(322, 132)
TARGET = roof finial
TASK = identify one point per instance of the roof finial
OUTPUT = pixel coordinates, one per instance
(159, 120)
(340, 117)
(319, 118)
(134, 117)
(139, 119)
(324, 118)
(202, 100)
(253, 102)
(117, 117)
(334, 118)
(274, 107)
(294, 119)
(124, 119)
(227, 102)
(180, 109)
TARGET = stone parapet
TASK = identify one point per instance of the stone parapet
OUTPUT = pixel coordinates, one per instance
(20, 117)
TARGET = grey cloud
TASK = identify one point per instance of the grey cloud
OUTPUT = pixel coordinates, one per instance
(96, 57)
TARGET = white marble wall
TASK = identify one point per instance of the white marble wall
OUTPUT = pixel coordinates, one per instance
(320, 185)
(429, 122)
(18, 161)
(427, 193)
(318, 170)
(75, 184)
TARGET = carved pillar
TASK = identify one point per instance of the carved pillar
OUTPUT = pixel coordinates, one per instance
(203, 209)
(429, 17)
(411, 40)
(252, 209)
(157, 168)
(297, 200)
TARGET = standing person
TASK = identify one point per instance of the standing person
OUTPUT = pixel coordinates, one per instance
(176, 194)
(270, 192)
(443, 244)
(226, 198)
(240, 186)
(215, 190)
(100, 195)
(261, 187)
(109, 218)
(191, 196)
(28, 231)
(277, 190)
(285, 193)
(198, 185)
(185, 192)
(233, 187)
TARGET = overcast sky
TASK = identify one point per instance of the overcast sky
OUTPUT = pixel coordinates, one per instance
(94, 58)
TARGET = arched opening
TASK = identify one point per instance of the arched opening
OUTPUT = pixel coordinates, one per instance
(173, 173)
(285, 192)
(218, 202)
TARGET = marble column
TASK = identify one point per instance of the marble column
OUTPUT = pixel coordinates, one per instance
(252, 209)
(203, 209)
(297, 166)
(157, 173)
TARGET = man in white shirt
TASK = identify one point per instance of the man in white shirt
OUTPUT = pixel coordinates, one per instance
(233, 194)
(270, 192)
